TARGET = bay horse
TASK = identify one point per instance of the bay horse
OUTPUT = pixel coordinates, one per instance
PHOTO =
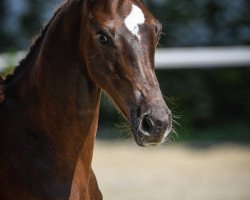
(50, 104)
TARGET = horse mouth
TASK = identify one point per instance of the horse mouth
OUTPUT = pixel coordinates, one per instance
(145, 141)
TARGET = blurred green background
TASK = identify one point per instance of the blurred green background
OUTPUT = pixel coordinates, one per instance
(211, 105)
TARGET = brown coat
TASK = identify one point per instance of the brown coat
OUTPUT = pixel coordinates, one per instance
(49, 107)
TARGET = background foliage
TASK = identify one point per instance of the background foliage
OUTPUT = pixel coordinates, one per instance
(203, 22)
(213, 104)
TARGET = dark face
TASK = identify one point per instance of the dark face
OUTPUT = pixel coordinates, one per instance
(119, 51)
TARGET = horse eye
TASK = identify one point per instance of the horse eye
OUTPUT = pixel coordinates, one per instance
(103, 39)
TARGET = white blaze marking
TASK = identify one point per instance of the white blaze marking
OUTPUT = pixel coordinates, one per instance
(134, 19)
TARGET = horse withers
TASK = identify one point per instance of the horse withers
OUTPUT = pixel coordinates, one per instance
(50, 105)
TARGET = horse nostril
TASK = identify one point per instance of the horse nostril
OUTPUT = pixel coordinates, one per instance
(147, 124)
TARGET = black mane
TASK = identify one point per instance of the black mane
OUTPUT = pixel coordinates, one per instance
(33, 49)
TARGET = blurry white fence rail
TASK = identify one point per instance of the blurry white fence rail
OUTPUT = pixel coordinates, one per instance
(203, 57)
(174, 58)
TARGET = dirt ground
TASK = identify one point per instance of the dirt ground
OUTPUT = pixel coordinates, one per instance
(172, 172)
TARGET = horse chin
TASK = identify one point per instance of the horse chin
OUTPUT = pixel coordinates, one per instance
(146, 140)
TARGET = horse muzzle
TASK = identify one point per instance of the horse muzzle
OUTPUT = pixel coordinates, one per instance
(151, 129)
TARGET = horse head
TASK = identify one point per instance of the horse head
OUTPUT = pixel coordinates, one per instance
(118, 46)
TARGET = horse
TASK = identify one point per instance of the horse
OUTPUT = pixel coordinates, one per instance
(49, 106)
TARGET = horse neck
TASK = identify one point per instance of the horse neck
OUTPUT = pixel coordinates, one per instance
(65, 101)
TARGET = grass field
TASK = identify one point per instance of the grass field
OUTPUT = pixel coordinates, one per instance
(172, 172)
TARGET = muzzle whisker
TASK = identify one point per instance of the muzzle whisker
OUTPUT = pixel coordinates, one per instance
(176, 123)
